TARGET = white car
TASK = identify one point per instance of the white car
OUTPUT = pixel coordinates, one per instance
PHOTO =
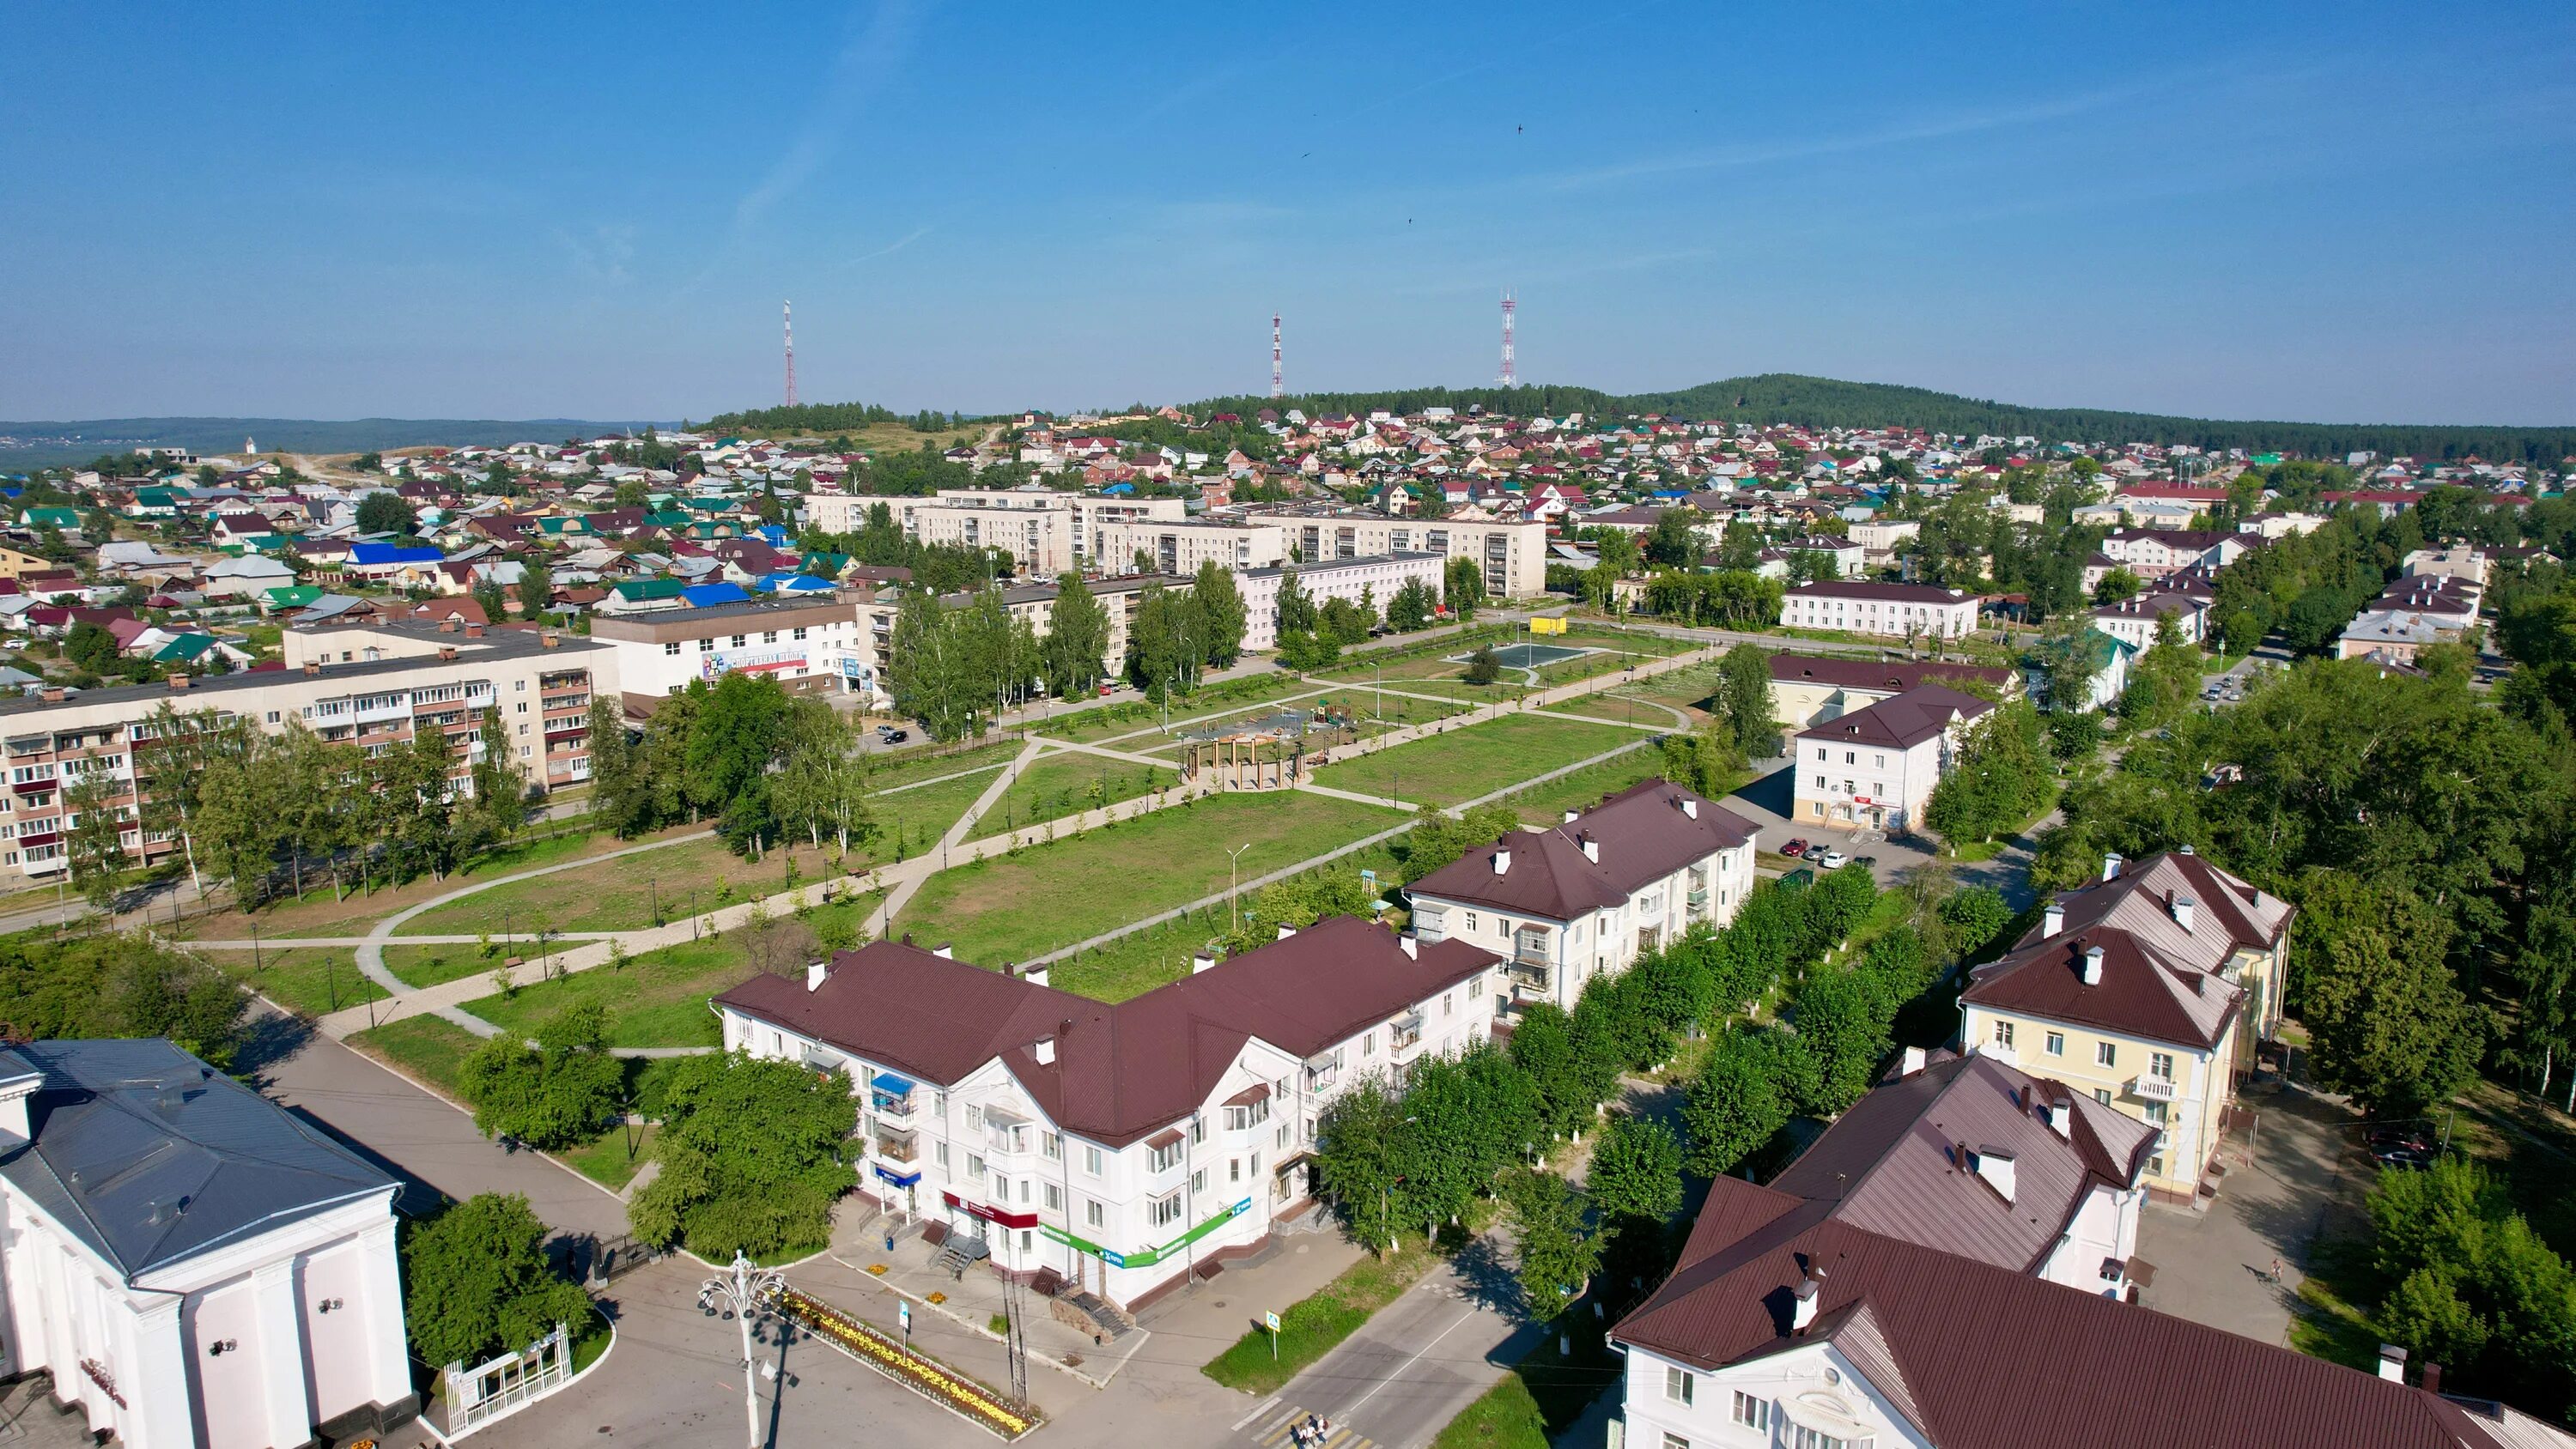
(1834, 860)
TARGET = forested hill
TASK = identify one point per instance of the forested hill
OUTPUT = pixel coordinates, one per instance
(1824, 402)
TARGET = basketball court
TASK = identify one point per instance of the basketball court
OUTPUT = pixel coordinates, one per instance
(1528, 656)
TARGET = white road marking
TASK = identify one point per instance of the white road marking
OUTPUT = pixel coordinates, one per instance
(1265, 1406)
(1408, 1363)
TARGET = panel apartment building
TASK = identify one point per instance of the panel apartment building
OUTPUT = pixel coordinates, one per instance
(374, 686)
(1512, 552)
(874, 646)
(1045, 531)
(811, 644)
(1119, 1147)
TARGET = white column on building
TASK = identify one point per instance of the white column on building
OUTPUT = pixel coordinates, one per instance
(281, 1353)
(153, 1377)
(382, 1315)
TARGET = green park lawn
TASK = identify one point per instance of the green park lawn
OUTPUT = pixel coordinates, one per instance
(308, 980)
(1546, 804)
(316, 913)
(1313, 1326)
(1474, 759)
(1057, 785)
(696, 874)
(430, 1048)
(656, 999)
(895, 772)
(1046, 897)
(910, 821)
(613, 1159)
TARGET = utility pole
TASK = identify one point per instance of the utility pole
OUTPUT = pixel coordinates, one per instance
(745, 1291)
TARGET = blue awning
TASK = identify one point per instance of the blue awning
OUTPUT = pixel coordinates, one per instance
(899, 1179)
(889, 1082)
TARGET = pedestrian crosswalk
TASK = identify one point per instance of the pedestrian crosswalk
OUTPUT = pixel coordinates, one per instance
(1275, 1432)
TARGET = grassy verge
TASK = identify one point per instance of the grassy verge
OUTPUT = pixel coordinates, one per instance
(1058, 785)
(1540, 1398)
(1505, 1418)
(657, 999)
(1313, 1326)
(622, 894)
(1157, 955)
(1115, 874)
(1474, 759)
(1546, 804)
(428, 1047)
(897, 772)
(606, 1160)
(312, 980)
(418, 966)
(317, 913)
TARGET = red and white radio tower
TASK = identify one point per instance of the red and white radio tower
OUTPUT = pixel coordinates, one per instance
(1278, 388)
(788, 311)
(1507, 378)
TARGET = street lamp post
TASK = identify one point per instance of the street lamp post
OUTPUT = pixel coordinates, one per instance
(1233, 908)
(744, 1290)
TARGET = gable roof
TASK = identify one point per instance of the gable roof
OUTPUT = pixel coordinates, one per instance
(1891, 676)
(2142, 992)
(1900, 721)
(1644, 833)
(1982, 1357)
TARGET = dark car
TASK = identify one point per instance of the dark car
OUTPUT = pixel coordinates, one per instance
(896, 737)
(2408, 1157)
(1794, 848)
(1865, 862)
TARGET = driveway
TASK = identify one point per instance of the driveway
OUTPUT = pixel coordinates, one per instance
(1767, 799)
(2298, 1179)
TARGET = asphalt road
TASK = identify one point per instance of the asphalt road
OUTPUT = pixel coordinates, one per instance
(1418, 1361)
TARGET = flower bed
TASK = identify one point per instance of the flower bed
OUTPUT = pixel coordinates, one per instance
(892, 1358)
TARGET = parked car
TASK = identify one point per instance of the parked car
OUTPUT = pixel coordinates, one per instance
(1107, 689)
(896, 737)
(1865, 862)
(1832, 860)
(1794, 848)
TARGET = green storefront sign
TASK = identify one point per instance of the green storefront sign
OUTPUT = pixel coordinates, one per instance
(1146, 1257)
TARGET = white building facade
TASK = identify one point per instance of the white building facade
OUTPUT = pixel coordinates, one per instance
(1368, 582)
(1876, 767)
(1895, 610)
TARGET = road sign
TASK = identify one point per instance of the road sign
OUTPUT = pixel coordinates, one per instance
(903, 1316)
(1273, 1320)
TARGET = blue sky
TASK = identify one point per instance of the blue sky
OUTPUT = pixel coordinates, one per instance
(2356, 211)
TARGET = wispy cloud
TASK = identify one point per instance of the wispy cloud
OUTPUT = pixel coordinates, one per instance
(890, 248)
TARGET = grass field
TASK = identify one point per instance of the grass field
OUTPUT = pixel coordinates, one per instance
(911, 821)
(1473, 760)
(1057, 785)
(429, 965)
(893, 772)
(312, 980)
(428, 1047)
(317, 914)
(607, 1160)
(1546, 804)
(621, 894)
(1050, 896)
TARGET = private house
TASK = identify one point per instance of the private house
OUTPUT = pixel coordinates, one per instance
(2111, 659)
(1589, 895)
(194, 1266)
(1786, 1326)
(2151, 991)
(1892, 610)
(1119, 1147)
(1876, 767)
(1809, 689)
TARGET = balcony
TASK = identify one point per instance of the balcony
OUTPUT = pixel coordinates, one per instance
(1404, 1033)
(1698, 900)
(1537, 976)
(898, 1147)
(892, 1105)
(2152, 1089)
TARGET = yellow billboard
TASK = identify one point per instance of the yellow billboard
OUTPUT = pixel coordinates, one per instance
(1547, 626)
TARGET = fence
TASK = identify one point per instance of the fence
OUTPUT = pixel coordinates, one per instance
(492, 1390)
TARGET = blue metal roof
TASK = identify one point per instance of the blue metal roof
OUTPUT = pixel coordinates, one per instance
(889, 1082)
(386, 553)
(702, 595)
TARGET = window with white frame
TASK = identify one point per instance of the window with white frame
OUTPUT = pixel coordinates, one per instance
(2160, 1065)
(1093, 1214)
(2004, 1034)
(1751, 1412)
(1164, 1158)
(2056, 1043)
(1678, 1384)
(1091, 1159)
(2106, 1054)
(1163, 1211)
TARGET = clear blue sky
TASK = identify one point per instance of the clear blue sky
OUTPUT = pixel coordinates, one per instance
(2349, 211)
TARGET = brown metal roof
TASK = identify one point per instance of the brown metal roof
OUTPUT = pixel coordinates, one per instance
(1901, 722)
(1644, 834)
(1981, 1357)
(1890, 676)
(2143, 992)
(1119, 1071)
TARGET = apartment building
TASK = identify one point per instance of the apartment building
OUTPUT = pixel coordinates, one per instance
(1894, 610)
(1809, 689)
(373, 686)
(1366, 582)
(1040, 541)
(1118, 1146)
(943, 516)
(1512, 552)
(1785, 1325)
(2134, 621)
(2150, 990)
(811, 644)
(1876, 767)
(1589, 895)
(1180, 545)
(1032, 602)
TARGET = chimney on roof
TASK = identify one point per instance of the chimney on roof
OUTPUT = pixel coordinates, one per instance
(1045, 1050)
(1810, 1288)
(1201, 962)
(178, 681)
(2092, 965)
(2061, 1116)
(1285, 932)
(51, 694)
(1995, 1165)
(816, 973)
(1034, 975)
(2432, 1378)
(1572, 815)
(1690, 807)
(2183, 850)
(2186, 912)
(1411, 945)
(1912, 1063)
(312, 666)
(1591, 847)
(547, 640)
(2392, 1363)
(2110, 867)
(473, 630)
(447, 625)
(2052, 920)
(1502, 862)
(945, 950)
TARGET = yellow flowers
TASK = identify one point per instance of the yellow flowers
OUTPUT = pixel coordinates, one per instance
(865, 1343)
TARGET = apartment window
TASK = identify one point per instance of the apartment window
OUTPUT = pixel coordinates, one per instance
(1801, 1437)
(1879, 760)
(1164, 1211)
(2057, 1043)
(2160, 1064)
(1198, 1180)
(1198, 1131)
(940, 1151)
(1820, 752)
(739, 640)
(1751, 1412)
(1471, 920)
(2106, 1054)
(2004, 1034)
(1165, 1157)
(800, 633)
(1234, 1169)
(1052, 1145)
(1054, 1198)
(517, 686)
(1851, 757)
(1448, 1004)
(1092, 1214)
(1675, 1441)
(1678, 1383)
(2155, 1164)
(707, 646)
(974, 1119)
(769, 636)
(272, 716)
(1091, 1159)
(2102, 1095)
(974, 1167)
(2157, 1113)
(671, 646)
(1368, 1044)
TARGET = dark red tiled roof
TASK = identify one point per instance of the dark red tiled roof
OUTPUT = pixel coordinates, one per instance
(1885, 676)
(1982, 1357)
(1643, 833)
(1901, 722)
